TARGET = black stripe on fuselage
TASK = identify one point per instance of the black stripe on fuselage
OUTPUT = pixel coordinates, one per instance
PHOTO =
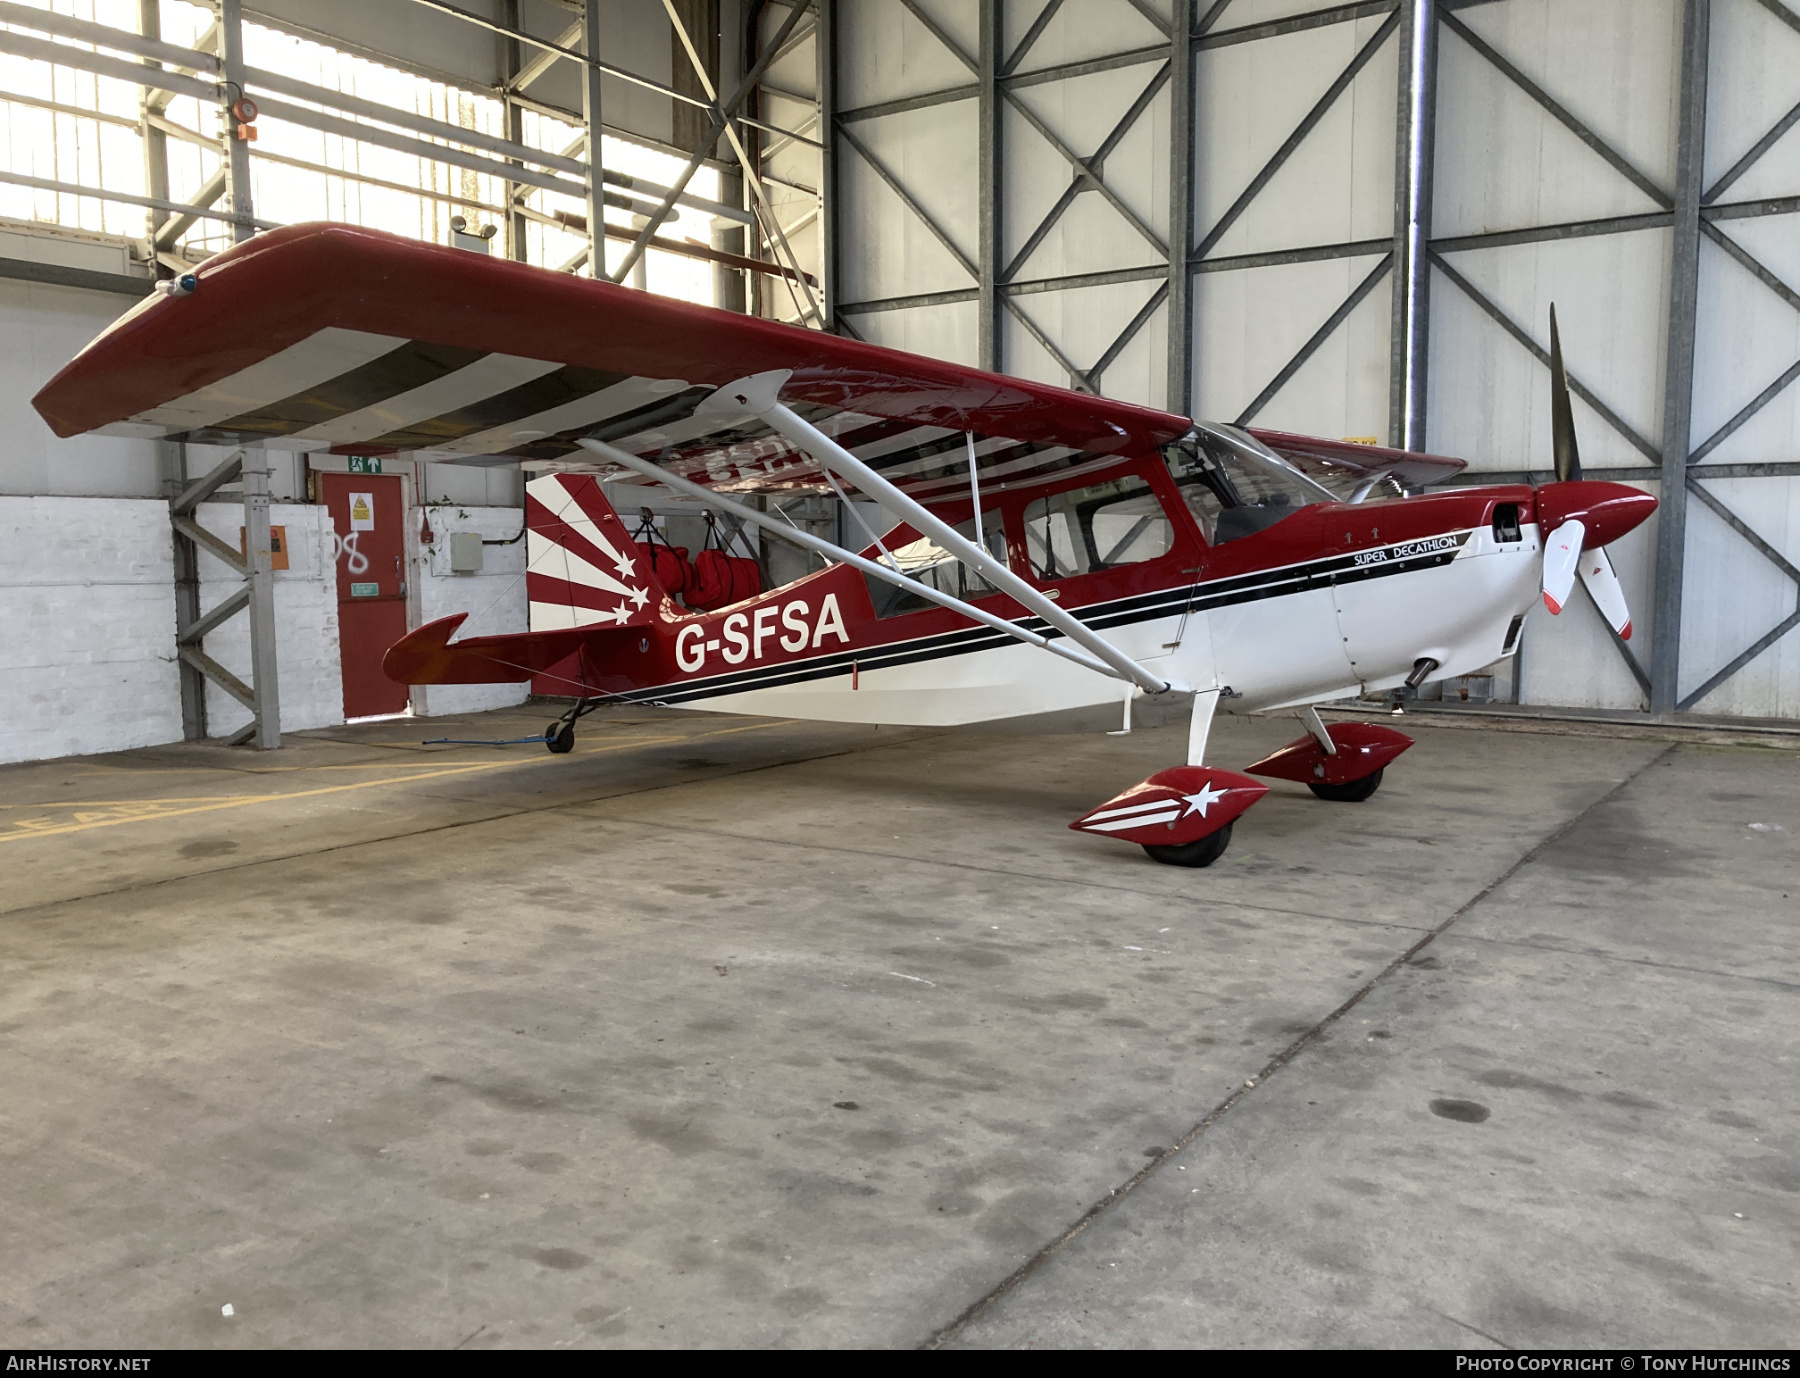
(400, 370)
(1245, 588)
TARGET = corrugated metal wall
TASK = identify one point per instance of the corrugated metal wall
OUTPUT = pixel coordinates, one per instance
(1042, 187)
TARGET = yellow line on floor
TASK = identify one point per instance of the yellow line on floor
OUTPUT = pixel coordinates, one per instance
(239, 801)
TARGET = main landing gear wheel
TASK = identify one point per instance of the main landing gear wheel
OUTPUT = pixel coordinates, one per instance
(1201, 853)
(560, 737)
(1353, 793)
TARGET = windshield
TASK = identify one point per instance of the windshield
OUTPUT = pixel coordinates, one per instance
(1235, 485)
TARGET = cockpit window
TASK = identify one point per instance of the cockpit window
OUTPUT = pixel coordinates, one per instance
(924, 560)
(1234, 485)
(1081, 530)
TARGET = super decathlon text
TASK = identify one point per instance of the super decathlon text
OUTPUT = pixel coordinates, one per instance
(62, 1363)
(743, 636)
(1426, 546)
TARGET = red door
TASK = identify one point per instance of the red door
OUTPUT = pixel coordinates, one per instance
(371, 586)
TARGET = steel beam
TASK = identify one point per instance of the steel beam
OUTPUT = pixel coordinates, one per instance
(594, 199)
(237, 151)
(1678, 371)
(1412, 229)
(991, 16)
(825, 63)
(1178, 392)
(260, 581)
(56, 275)
(1294, 23)
(1358, 248)
(1541, 234)
(1088, 173)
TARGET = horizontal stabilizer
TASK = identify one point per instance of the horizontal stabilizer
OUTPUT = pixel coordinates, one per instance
(426, 656)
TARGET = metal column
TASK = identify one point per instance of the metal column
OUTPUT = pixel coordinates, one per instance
(173, 458)
(1416, 119)
(257, 594)
(1179, 397)
(156, 142)
(825, 56)
(237, 151)
(260, 576)
(511, 60)
(1678, 378)
(590, 115)
(993, 22)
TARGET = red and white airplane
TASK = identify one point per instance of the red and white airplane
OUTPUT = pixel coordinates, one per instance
(1055, 552)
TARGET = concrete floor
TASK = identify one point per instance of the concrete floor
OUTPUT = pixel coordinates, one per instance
(729, 1032)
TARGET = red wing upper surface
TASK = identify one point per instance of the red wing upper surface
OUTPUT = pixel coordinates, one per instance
(333, 337)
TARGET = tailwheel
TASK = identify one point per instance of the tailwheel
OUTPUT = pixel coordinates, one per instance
(1201, 852)
(560, 737)
(1353, 793)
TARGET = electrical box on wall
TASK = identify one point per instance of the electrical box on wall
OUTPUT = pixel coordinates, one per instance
(465, 552)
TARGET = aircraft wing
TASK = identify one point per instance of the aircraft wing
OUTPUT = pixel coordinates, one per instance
(332, 337)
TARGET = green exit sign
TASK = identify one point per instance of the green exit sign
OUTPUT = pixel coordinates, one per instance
(364, 464)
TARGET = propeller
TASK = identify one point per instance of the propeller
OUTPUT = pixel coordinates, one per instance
(1583, 522)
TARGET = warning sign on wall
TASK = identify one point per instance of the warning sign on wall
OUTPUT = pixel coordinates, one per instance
(362, 511)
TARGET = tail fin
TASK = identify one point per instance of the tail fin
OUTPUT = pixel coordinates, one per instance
(582, 567)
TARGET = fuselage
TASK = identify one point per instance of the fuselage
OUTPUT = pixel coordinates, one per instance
(1333, 599)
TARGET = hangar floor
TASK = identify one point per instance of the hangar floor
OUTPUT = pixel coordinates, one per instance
(731, 1032)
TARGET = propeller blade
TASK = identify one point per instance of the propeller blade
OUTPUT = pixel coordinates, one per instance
(1562, 412)
(1603, 585)
(1562, 556)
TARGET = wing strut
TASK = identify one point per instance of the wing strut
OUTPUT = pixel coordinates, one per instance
(759, 395)
(650, 469)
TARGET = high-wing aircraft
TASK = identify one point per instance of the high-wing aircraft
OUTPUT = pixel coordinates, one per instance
(1055, 552)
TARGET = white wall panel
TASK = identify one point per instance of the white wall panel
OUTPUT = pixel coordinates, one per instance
(1342, 390)
(938, 332)
(1752, 337)
(1759, 57)
(1735, 595)
(932, 154)
(45, 328)
(1610, 63)
(885, 53)
(1489, 400)
(1080, 31)
(1338, 185)
(1140, 373)
(1082, 321)
(1252, 321)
